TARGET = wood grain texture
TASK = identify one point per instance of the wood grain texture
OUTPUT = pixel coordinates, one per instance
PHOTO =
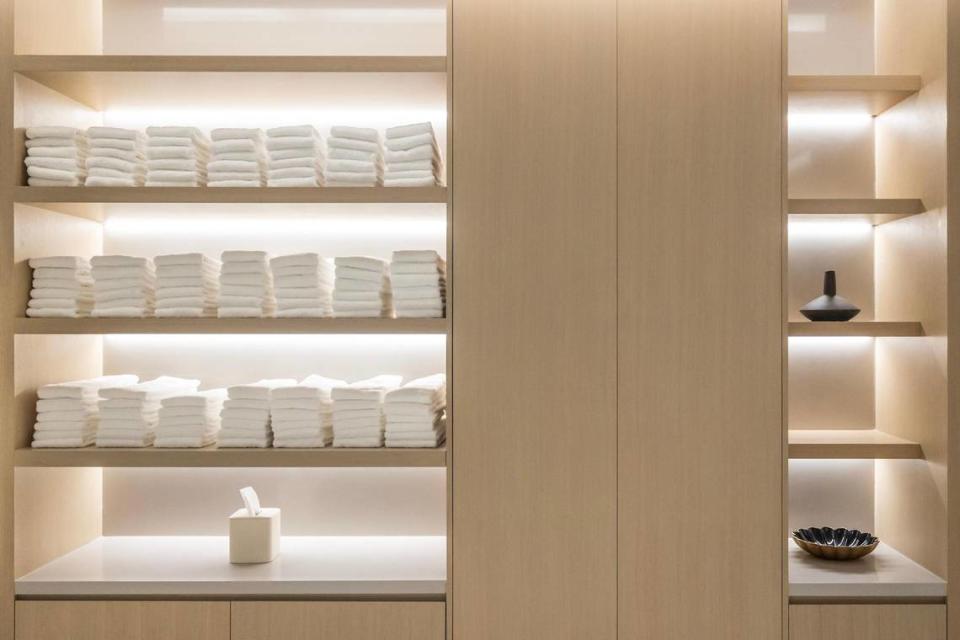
(65, 326)
(32, 64)
(701, 229)
(213, 457)
(953, 311)
(340, 620)
(59, 26)
(878, 329)
(876, 210)
(825, 444)
(534, 331)
(872, 93)
(868, 622)
(8, 430)
(93, 620)
(912, 280)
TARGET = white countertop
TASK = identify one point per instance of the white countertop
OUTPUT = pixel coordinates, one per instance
(200, 566)
(885, 573)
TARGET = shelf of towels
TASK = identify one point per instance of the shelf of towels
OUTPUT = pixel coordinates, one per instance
(120, 411)
(241, 284)
(183, 156)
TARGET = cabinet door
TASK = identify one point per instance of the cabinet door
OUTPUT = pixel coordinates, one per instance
(337, 621)
(868, 622)
(701, 229)
(96, 620)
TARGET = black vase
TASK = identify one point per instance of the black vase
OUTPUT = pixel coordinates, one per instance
(829, 307)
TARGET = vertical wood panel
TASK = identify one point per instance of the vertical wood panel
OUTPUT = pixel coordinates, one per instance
(534, 327)
(337, 621)
(953, 312)
(37, 620)
(700, 329)
(868, 622)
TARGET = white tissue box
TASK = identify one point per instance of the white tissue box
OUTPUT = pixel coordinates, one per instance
(254, 539)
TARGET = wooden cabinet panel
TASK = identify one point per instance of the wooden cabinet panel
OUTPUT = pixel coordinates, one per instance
(868, 622)
(338, 621)
(701, 228)
(534, 319)
(95, 620)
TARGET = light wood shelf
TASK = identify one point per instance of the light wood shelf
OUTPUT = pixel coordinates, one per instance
(850, 444)
(83, 201)
(857, 329)
(62, 326)
(877, 210)
(213, 457)
(35, 64)
(874, 93)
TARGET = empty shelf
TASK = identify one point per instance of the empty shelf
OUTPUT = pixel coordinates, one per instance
(870, 93)
(31, 64)
(850, 443)
(877, 210)
(854, 329)
(213, 457)
(60, 326)
(885, 574)
(199, 566)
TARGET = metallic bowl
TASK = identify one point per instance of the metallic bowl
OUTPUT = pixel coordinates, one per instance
(835, 544)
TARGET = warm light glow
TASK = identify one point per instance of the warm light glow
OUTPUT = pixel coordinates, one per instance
(828, 229)
(830, 343)
(807, 23)
(219, 226)
(256, 341)
(820, 120)
(323, 118)
(283, 14)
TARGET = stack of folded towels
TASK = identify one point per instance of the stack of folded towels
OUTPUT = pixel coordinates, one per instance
(246, 285)
(190, 420)
(62, 288)
(296, 157)
(303, 284)
(177, 157)
(56, 157)
(418, 281)
(362, 288)
(129, 414)
(123, 287)
(187, 285)
(414, 413)
(116, 157)
(412, 157)
(302, 415)
(67, 412)
(354, 157)
(358, 411)
(239, 158)
(245, 420)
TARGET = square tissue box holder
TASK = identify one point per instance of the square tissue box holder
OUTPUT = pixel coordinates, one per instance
(254, 533)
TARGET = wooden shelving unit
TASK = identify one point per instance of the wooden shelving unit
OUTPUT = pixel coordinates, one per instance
(65, 326)
(213, 457)
(875, 93)
(39, 64)
(857, 329)
(877, 210)
(867, 444)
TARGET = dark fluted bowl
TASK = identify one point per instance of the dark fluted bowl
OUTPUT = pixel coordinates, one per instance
(835, 544)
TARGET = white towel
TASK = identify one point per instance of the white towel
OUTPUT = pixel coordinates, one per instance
(236, 134)
(52, 132)
(407, 130)
(410, 142)
(410, 182)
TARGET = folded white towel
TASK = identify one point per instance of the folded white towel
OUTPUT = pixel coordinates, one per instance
(52, 132)
(183, 442)
(34, 143)
(407, 130)
(235, 166)
(64, 443)
(352, 166)
(292, 172)
(192, 165)
(365, 263)
(95, 133)
(165, 175)
(74, 153)
(306, 162)
(168, 141)
(394, 168)
(370, 388)
(188, 259)
(236, 146)
(393, 443)
(70, 165)
(292, 131)
(53, 174)
(334, 142)
(423, 152)
(236, 134)
(244, 256)
(176, 153)
(373, 157)
(411, 142)
(392, 174)
(293, 182)
(351, 179)
(410, 182)
(259, 390)
(174, 132)
(73, 263)
(235, 183)
(311, 144)
(355, 133)
(114, 143)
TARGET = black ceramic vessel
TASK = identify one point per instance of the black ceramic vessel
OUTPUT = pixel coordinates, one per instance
(835, 544)
(829, 307)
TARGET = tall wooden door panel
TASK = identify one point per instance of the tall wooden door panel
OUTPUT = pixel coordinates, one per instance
(700, 332)
(534, 319)
(98, 620)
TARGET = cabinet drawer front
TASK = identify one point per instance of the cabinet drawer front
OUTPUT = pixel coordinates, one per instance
(868, 622)
(105, 620)
(338, 620)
